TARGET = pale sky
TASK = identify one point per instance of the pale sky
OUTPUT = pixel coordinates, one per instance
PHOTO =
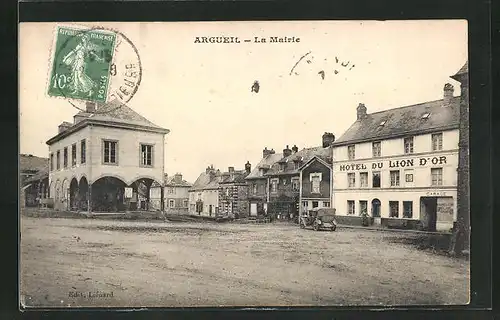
(202, 92)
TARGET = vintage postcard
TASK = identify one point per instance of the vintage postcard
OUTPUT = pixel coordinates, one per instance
(244, 164)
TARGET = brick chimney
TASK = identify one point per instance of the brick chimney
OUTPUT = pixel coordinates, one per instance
(178, 177)
(265, 152)
(361, 111)
(295, 148)
(230, 169)
(248, 167)
(286, 152)
(447, 94)
(328, 139)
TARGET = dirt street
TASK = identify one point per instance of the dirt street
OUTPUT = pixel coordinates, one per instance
(87, 262)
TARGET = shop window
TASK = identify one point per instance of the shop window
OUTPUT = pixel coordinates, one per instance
(408, 209)
(351, 207)
(393, 209)
(363, 207)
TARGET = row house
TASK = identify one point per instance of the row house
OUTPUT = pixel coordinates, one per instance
(204, 194)
(233, 192)
(216, 193)
(257, 182)
(400, 165)
(106, 160)
(287, 190)
(175, 194)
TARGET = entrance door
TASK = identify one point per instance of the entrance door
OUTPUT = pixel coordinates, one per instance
(428, 212)
(253, 209)
(376, 208)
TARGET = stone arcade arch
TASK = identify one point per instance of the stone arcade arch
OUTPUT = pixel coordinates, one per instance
(106, 195)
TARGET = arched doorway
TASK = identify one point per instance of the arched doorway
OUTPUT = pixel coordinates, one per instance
(73, 195)
(83, 188)
(141, 194)
(107, 195)
(376, 208)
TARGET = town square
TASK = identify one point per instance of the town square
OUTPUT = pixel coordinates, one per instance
(330, 177)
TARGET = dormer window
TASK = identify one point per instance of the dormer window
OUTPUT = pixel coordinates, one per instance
(426, 115)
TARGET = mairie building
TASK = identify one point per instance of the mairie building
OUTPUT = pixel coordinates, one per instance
(106, 160)
(399, 166)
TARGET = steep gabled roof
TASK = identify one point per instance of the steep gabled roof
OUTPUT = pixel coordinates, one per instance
(173, 182)
(301, 156)
(402, 121)
(315, 158)
(115, 114)
(266, 162)
(204, 181)
(238, 176)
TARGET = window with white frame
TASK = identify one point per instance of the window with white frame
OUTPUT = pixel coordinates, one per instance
(408, 144)
(171, 203)
(409, 176)
(363, 179)
(393, 209)
(73, 155)
(83, 151)
(58, 159)
(305, 204)
(254, 188)
(437, 176)
(326, 204)
(351, 152)
(351, 207)
(274, 185)
(376, 179)
(376, 149)
(363, 206)
(437, 142)
(295, 184)
(351, 178)
(146, 155)
(185, 203)
(407, 209)
(394, 178)
(315, 182)
(65, 157)
(110, 149)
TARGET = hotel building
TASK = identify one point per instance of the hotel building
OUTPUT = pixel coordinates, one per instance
(400, 165)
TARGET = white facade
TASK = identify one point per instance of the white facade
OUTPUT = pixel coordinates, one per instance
(412, 182)
(127, 166)
(209, 199)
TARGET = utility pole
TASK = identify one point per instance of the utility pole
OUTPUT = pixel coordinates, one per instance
(461, 230)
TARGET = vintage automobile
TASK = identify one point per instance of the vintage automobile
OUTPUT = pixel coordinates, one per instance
(319, 218)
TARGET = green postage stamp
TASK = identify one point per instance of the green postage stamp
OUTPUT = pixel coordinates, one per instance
(81, 64)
